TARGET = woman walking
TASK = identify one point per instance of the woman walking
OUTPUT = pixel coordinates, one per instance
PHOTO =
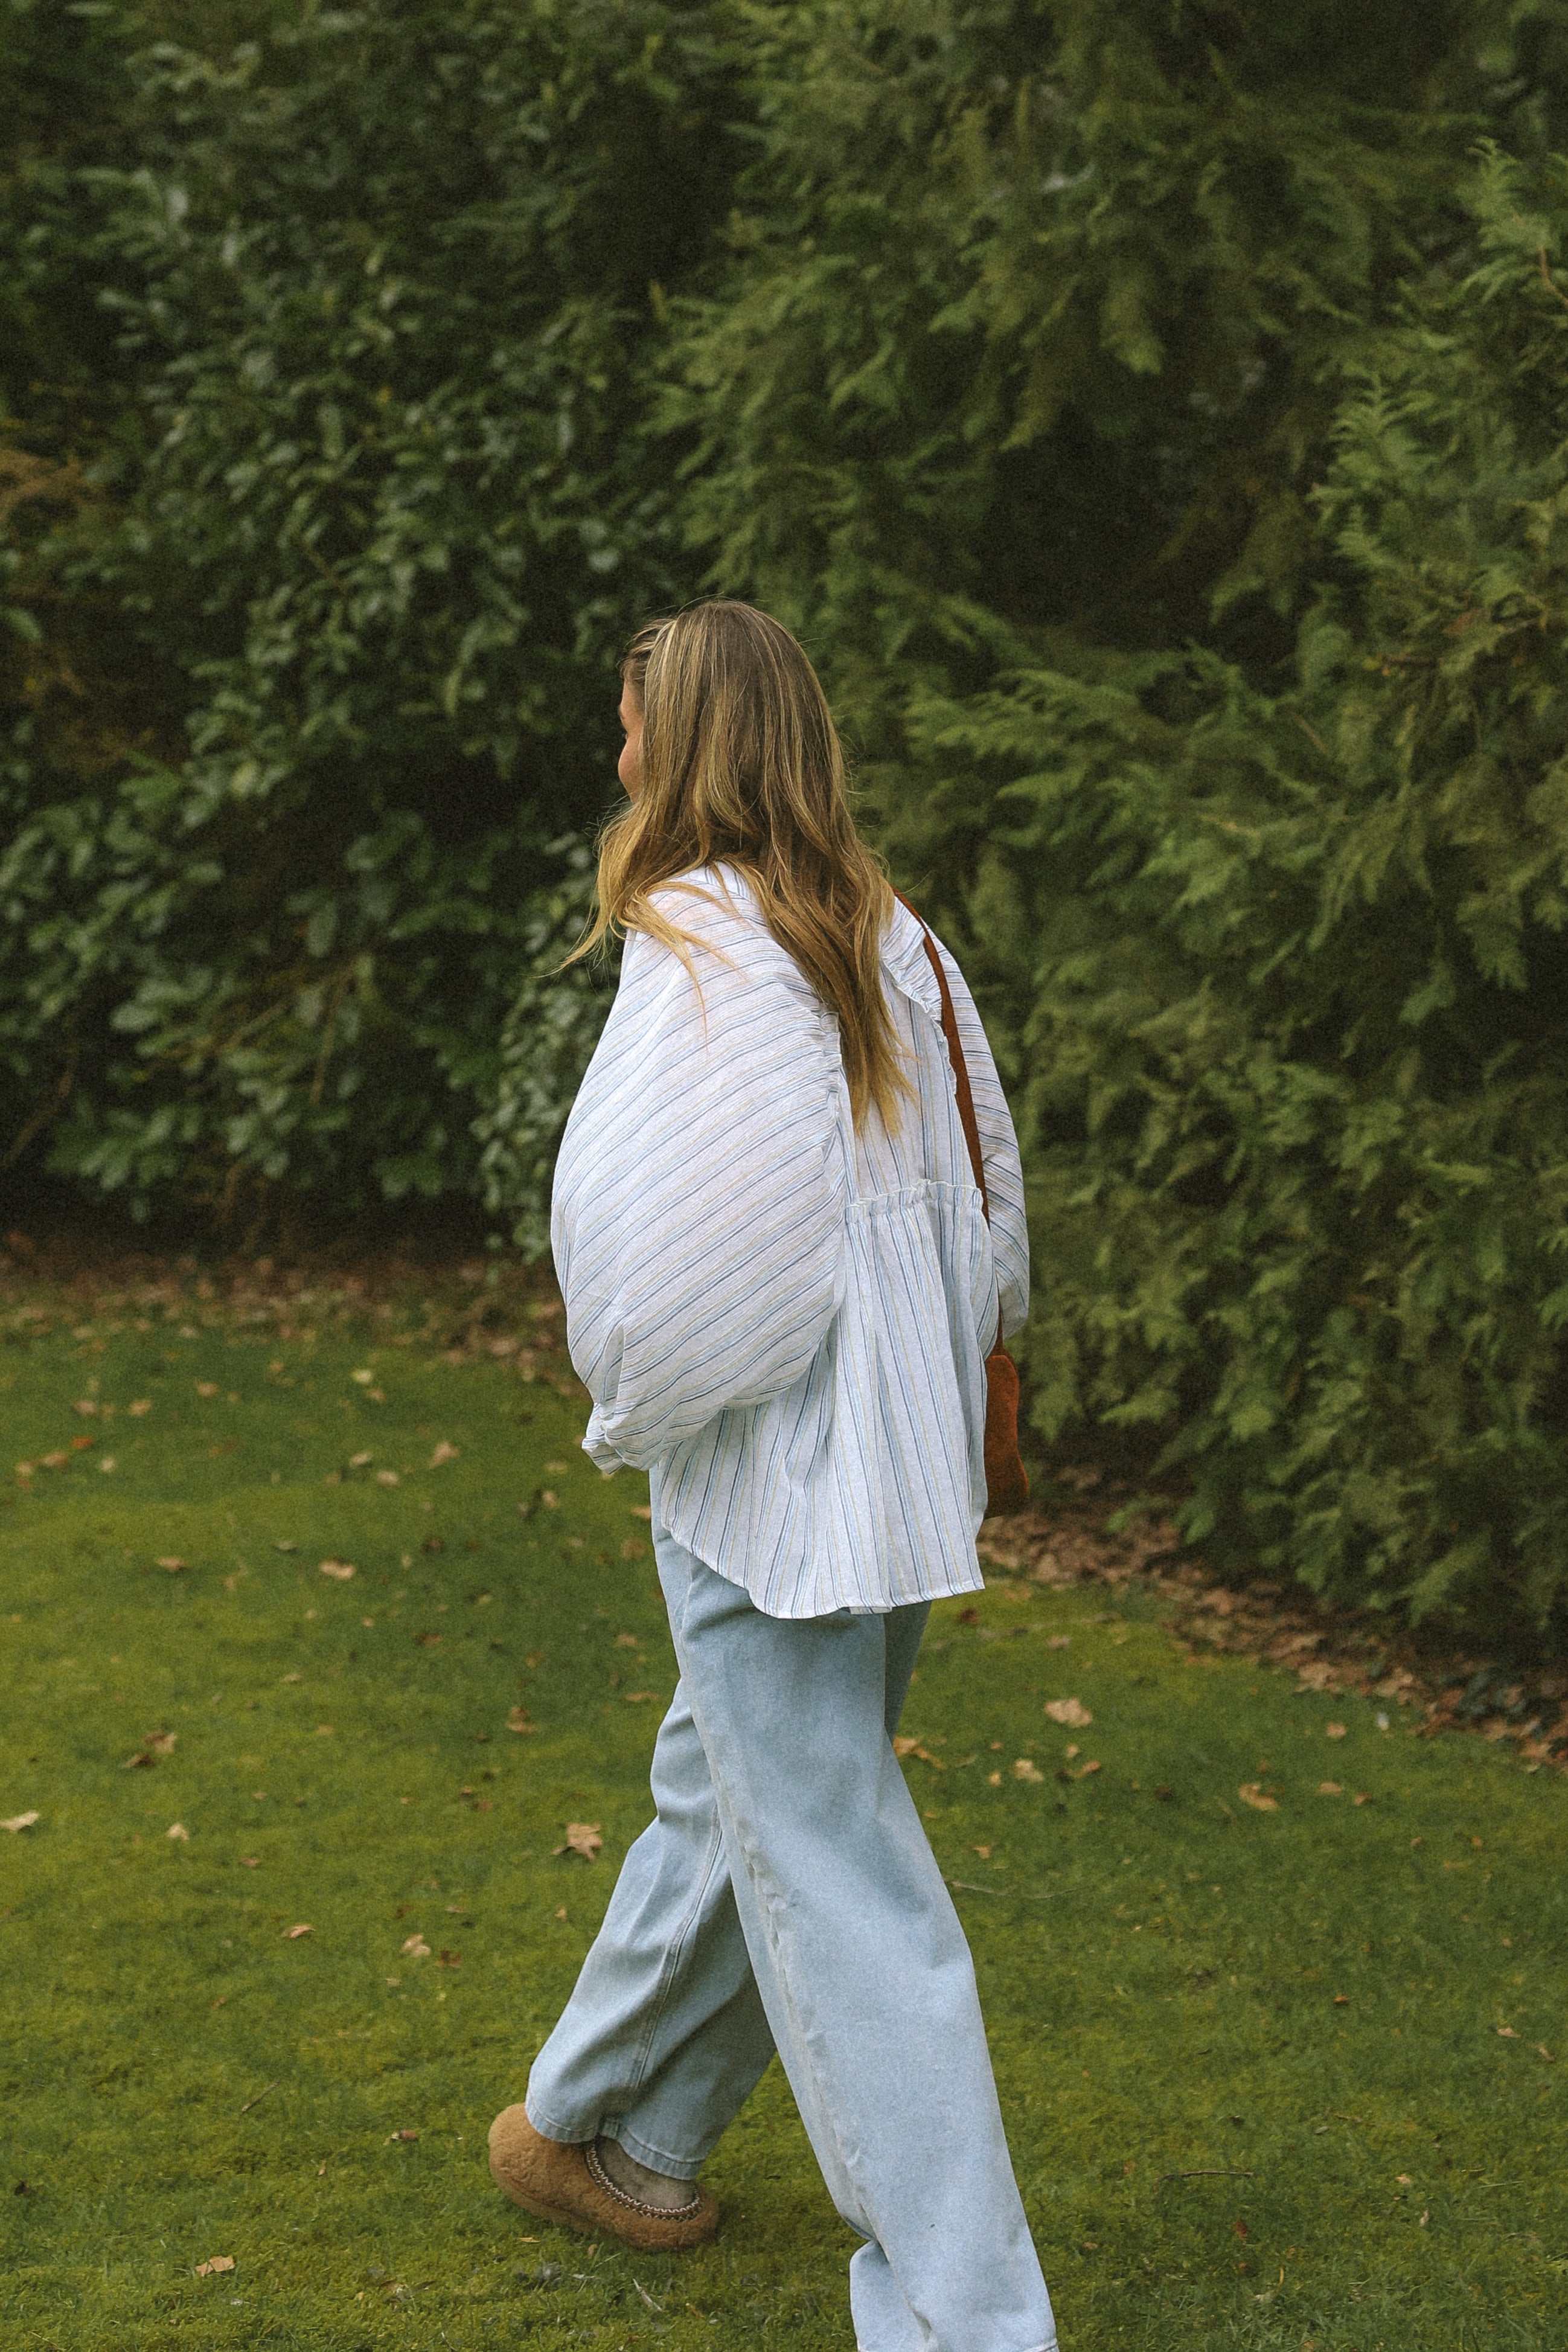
(780, 1289)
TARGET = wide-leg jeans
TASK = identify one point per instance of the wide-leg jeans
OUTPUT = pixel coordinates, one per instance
(786, 1896)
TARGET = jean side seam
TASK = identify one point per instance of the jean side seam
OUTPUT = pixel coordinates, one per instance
(671, 1969)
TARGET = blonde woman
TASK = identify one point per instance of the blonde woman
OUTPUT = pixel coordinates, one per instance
(780, 1289)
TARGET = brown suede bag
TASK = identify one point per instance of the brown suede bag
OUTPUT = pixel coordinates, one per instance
(1006, 1480)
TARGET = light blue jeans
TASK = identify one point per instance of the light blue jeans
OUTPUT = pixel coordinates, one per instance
(785, 1896)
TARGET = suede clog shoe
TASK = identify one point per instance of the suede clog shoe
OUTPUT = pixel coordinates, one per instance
(563, 2181)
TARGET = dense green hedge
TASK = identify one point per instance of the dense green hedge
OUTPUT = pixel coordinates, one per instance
(1152, 419)
(365, 530)
(1283, 982)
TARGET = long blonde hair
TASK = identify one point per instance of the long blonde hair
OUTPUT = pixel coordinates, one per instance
(741, 762)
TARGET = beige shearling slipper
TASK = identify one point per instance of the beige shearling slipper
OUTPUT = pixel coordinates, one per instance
(562, 2182)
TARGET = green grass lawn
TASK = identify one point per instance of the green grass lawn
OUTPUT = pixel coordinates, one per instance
(1274, 2077)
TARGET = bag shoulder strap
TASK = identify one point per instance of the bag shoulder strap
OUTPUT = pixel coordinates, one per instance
(961, 1086)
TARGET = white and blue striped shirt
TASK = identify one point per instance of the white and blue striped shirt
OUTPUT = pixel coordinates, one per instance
(786, 1321)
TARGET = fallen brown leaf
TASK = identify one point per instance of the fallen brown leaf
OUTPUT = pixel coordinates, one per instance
(206, 1387)
(405, 2135)
(1366, 1798)
(905, 1745)
(415, 1948)
(1070, 1711)
(518, 1720)
(361, 1461)
(1252, 1793)
(85, 1404)
(387, 1479)
(339, 1569)
(1024, 1770)
(216, 2266)
(1333, 1731)
(443, 1452)
(19, 1821)
(172, 1565)
(583, 1838)
(179, 1833)
(291, 1935)
(636, 1698)
(139, 1406)
(1331, 1789)
(1508, 2032)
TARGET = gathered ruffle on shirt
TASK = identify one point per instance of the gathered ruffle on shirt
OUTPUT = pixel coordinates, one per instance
(786, 1321)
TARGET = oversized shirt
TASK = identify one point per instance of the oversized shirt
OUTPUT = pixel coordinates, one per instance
(785, 1321)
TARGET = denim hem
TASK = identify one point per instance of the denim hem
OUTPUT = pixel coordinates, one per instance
(657, 2160)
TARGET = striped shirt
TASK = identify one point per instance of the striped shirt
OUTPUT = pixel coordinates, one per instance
(786, 1322)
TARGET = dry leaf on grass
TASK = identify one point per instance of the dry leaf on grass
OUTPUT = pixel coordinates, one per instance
(361, 1461)
(1333, 1731)
(160, 1743)
(1365, 1797)
(1508, 2032)
(415, 1948)
(905, 1745)
(19, 1821)
(627, 1642)
(85, 1404)
(642, 1511)
(581, 1837)
(364, 1376)
(443, 1452)
(1252, 1793)
(1331, 1789)
(291, 1935)
(386, 1478)
(518, 1720)
(1026, 1769)
(1070, 1711)
(139, 1406)
(339, 1569)
(405, 2135)
(206, 1387)
(179, 1833)
(107, 1463)
(216, 2266)
(171, 1564)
